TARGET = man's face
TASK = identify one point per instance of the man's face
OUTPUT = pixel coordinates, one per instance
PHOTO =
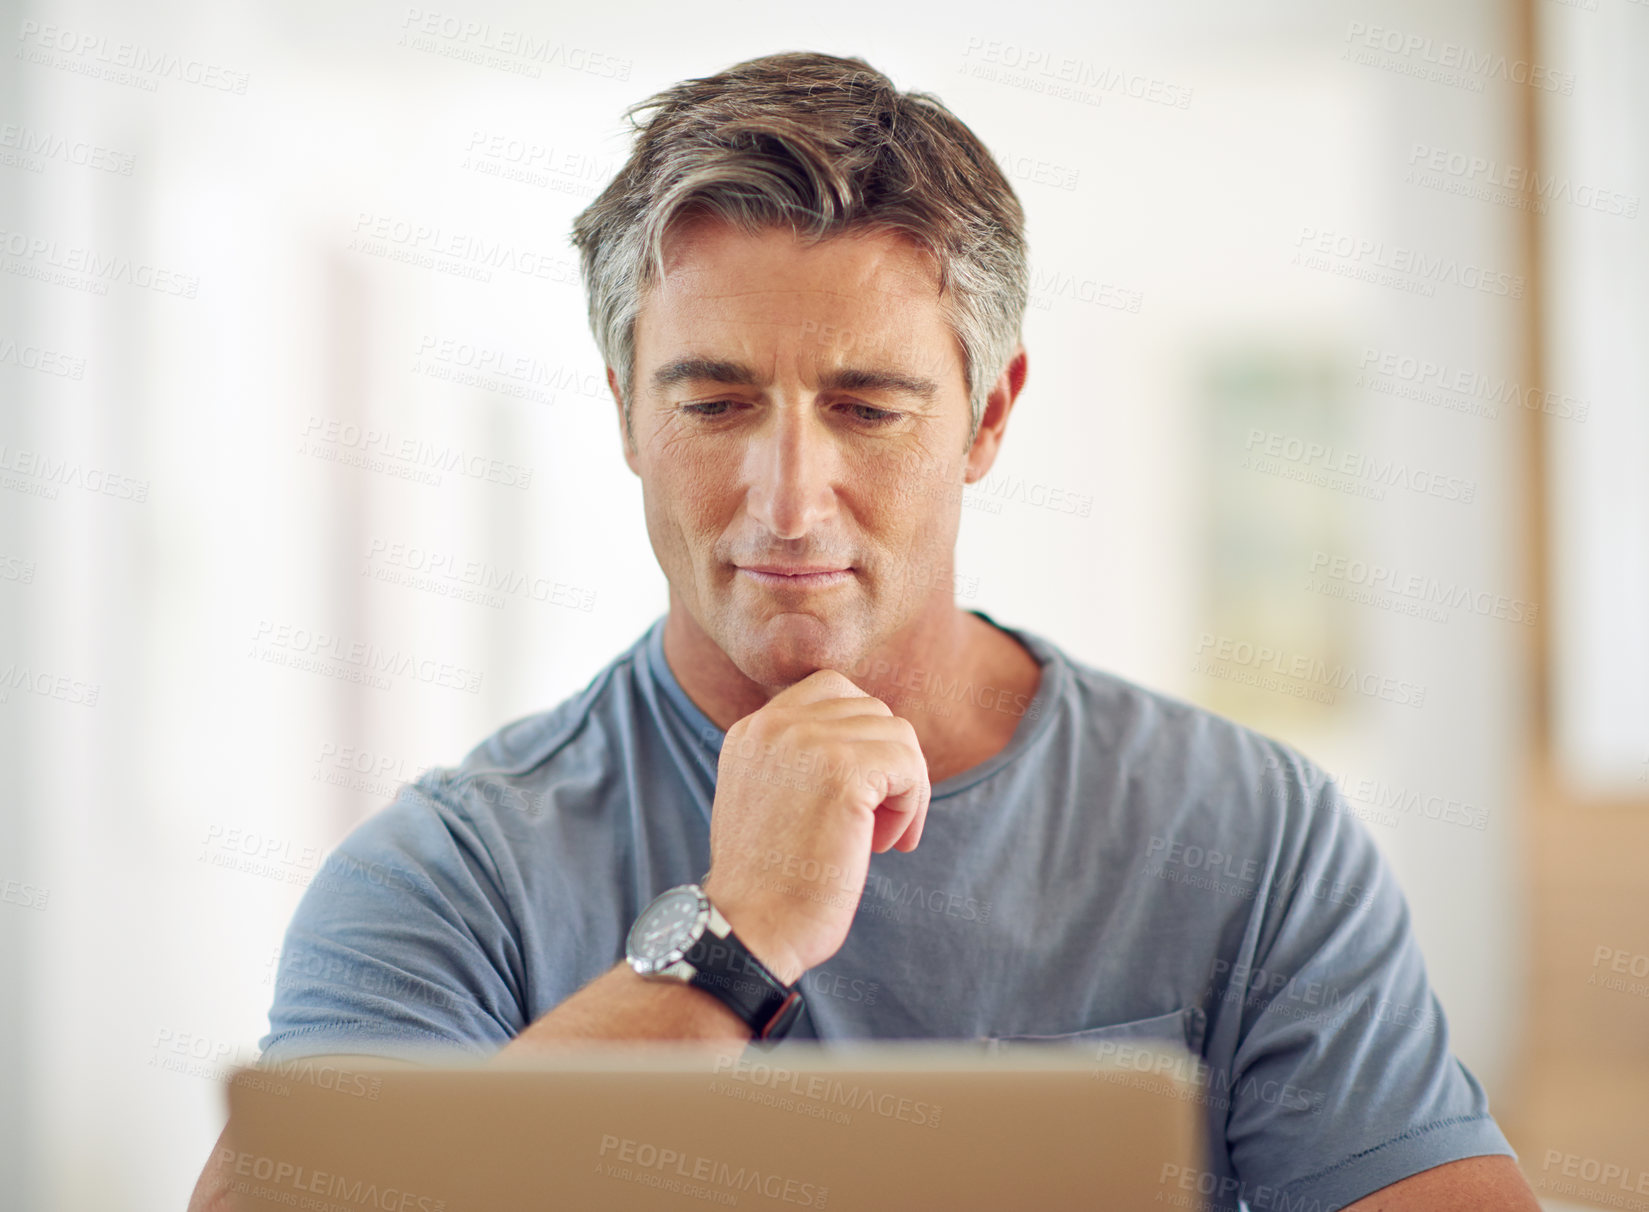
(799, 406)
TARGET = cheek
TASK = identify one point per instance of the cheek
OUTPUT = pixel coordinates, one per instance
(911, 497)
(691, 500)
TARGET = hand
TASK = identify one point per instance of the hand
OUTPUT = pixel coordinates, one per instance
(807, 787)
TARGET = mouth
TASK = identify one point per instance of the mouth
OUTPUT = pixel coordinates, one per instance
(781, 576)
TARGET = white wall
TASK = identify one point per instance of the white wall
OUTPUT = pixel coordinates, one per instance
(1597, 265)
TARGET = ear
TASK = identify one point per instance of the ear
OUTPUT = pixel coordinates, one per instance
(623, 434)
(994, 423)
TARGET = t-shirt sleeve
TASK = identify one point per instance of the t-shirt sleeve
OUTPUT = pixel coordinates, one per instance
(402, 945)
(1343, 1081)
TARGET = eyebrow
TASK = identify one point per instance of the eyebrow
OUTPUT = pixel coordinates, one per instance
(846, 378)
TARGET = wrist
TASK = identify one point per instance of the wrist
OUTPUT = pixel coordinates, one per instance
(713, 1019)
(760, 936)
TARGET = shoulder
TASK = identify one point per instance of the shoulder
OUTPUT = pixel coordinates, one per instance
(1179, 744)
(520, 768)
(481, 809)
(525, 745)
(1183, 775)
(1226, 816)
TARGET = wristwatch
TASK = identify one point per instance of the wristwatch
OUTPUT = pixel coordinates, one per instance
(682, 937)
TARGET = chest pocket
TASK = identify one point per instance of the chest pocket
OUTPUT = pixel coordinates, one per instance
(1186, 1028)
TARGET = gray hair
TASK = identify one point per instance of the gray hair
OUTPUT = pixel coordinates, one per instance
(825, 145)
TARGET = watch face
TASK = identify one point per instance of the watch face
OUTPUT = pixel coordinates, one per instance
(665, 929)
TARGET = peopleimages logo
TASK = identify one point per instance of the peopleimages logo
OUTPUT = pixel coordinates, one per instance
(1281, 994)
(1214, 1085)
(828, 1089)
(120, 62)
(472, 364)
(28, 896)
(1375, 801)
(1592, 1170)
(1050, 284)
(1222, 656)
(1219, 871)
(1622, 963)
(1408, 269)
(1047, 65)
(285, 1177)
(1376, 584)
(544, 165)
(1037, 171)
(428, 246)
(354, 661)
(1446, 62)
(59, 686)
(1228, 1193)
(1329, 466)
(42, 475)
(333, 439)
(1460, 389)
(501, 47)
(80, 267)
(31, 148)
(698, 1176)
(41, 360)
(1492, 181)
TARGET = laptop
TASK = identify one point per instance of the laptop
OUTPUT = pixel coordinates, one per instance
(845, 1126)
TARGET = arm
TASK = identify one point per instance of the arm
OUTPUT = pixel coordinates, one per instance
(1472, 1184)
(619, 1004)
(403, 940)
(830, 824)
(1335, 1003)
(211, 1192)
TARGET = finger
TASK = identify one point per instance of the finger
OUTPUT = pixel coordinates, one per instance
(845, 706)
(901, 829)
(833, 735)
(912, 835)
(887, 827)
(834, 732)
(903, 776)
(818, 686)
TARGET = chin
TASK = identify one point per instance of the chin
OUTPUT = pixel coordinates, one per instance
(785, 648)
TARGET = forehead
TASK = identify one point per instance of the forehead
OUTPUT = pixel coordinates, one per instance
(855, 291)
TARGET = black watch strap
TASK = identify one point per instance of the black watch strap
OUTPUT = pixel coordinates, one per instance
(723, 965)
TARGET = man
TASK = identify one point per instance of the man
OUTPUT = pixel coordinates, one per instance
(808, 290)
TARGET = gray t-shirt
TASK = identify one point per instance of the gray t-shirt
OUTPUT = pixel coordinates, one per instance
(1128, 868)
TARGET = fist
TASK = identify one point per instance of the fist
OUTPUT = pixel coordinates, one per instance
(808, 786)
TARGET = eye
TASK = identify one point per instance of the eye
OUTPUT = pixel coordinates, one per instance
(875, 416)
(710, 410)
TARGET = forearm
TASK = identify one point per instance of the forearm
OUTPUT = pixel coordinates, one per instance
(620, 1005)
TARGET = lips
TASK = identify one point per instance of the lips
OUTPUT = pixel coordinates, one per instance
(795, 576)
(791, 570)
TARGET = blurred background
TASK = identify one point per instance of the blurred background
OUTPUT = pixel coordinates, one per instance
(1337, 422)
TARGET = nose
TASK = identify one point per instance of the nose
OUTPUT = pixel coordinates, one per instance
(791, 467)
